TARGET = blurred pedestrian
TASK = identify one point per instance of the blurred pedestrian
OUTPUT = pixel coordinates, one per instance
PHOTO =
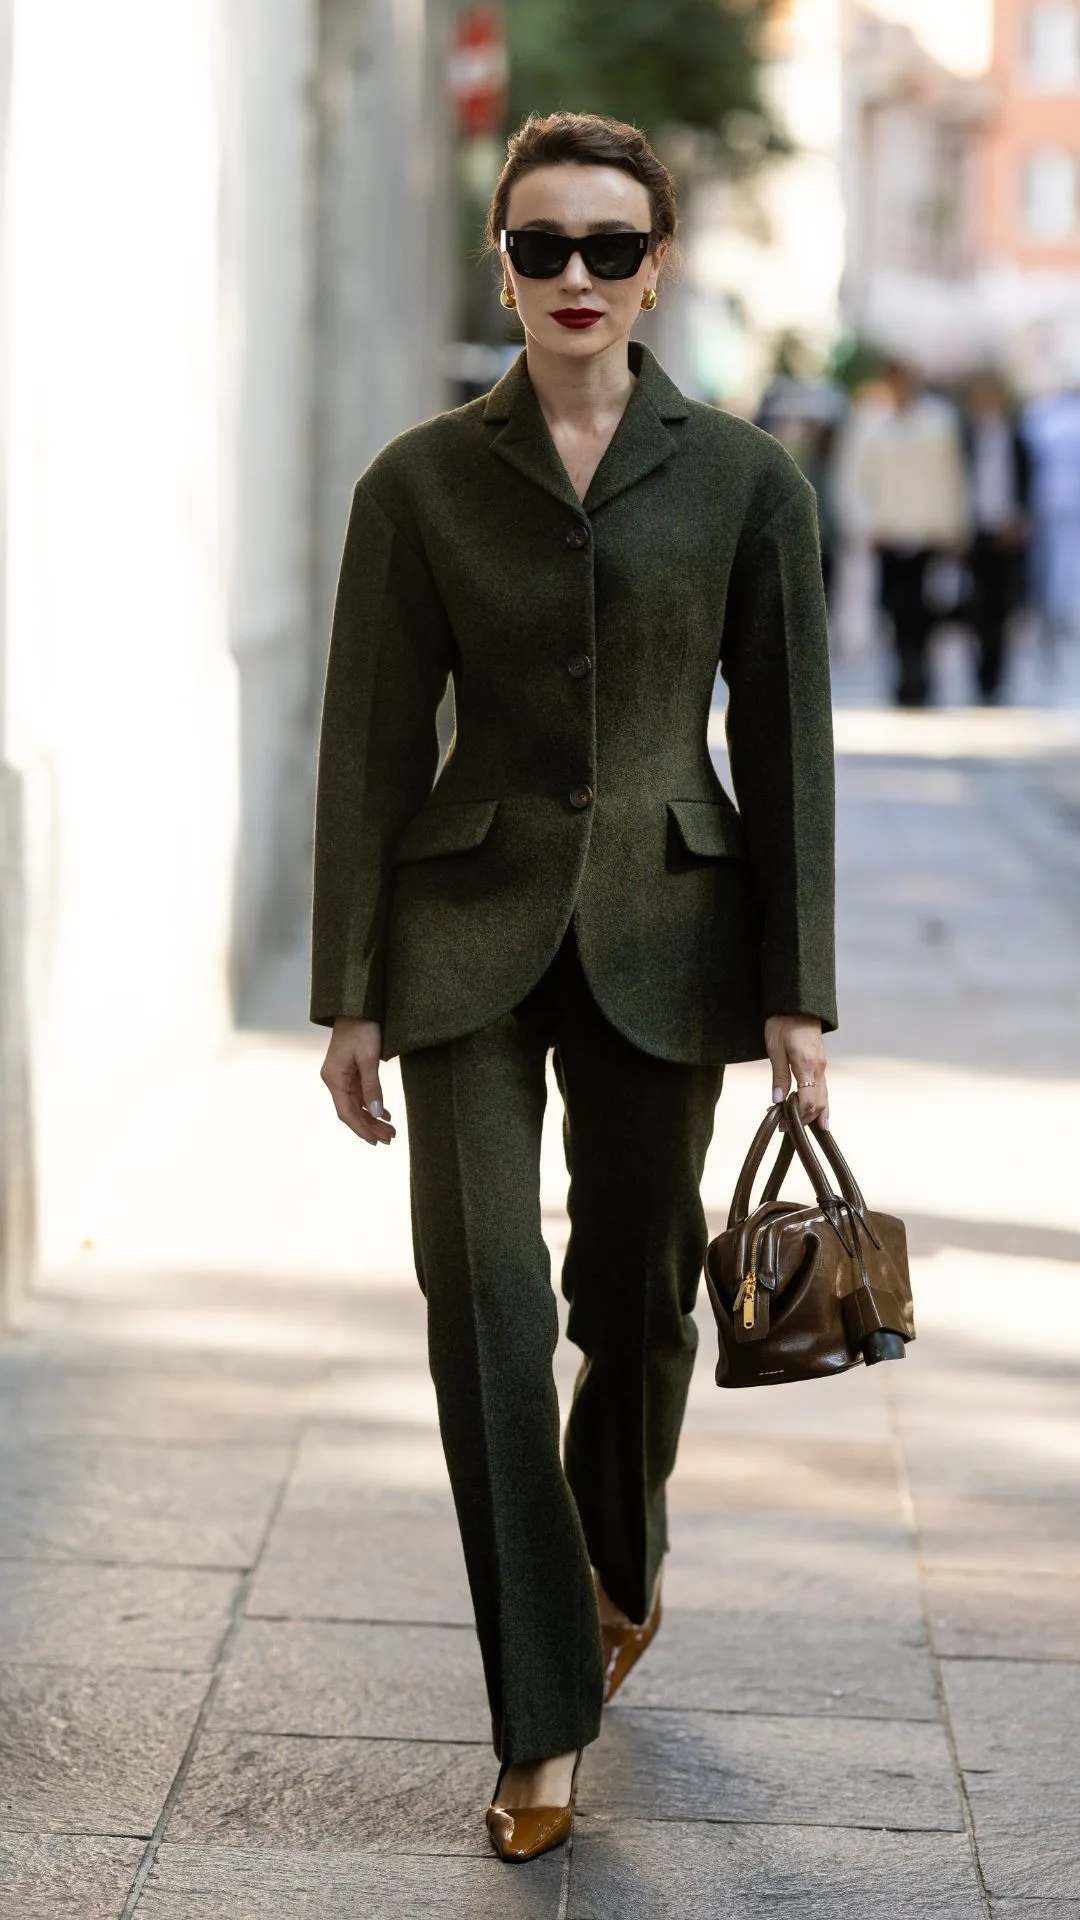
(902, 487)
(577, 880)
(999, 486)
(1051, 428)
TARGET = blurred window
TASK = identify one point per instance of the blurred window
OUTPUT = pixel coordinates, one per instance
(1051, 195)
(1054, 45)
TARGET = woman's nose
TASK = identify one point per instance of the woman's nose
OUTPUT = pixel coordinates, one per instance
(576, 274)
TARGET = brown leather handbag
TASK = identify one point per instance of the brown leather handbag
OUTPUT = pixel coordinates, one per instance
(801, 1291)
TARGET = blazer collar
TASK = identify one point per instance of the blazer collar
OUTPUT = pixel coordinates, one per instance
(641, 441)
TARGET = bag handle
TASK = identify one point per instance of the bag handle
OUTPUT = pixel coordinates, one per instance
(771, 1189)
(744, 1186)
(799, 1135)
(796, 1141)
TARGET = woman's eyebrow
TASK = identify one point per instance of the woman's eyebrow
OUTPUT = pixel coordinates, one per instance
(593, 226)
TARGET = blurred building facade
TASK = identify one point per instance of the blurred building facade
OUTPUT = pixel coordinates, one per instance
(913, 137)
(225, 244)
(1029, 215)
(765, 261)
(962, 191)
(1030, 188)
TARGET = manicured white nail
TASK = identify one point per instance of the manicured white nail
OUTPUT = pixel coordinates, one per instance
(375, 1108)
(777, 1094)
(825, 1127)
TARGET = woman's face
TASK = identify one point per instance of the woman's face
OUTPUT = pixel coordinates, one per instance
(580, 200)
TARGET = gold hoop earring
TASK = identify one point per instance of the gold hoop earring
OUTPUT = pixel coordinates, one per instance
(648, 300)
(507, 296)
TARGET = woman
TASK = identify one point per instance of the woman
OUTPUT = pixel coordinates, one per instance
(579, 550)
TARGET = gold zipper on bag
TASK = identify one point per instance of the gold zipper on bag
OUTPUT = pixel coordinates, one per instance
(749, 1305)
(746, 1298)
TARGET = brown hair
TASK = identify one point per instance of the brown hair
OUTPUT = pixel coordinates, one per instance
(583, 139)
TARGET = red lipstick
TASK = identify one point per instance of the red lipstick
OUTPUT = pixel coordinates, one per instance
(577, 316)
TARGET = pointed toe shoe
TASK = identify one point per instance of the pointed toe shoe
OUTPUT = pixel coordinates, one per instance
(623, 1647)
(522, 1833)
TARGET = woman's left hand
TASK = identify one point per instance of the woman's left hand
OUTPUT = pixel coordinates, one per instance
(795, 1047)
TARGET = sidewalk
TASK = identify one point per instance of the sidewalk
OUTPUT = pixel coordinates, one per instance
(238, 1678)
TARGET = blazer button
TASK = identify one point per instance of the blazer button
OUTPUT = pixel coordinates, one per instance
(578, 537)
(579, 666)
(581, 797)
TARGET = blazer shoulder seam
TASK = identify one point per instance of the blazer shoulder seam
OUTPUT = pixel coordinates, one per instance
(799, 491)
(394, 524)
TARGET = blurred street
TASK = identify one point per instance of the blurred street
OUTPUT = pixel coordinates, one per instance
(240, 1678)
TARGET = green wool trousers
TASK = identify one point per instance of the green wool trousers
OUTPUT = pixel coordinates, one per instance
(636, 1130)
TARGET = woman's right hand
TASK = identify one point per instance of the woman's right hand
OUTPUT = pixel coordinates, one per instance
(351, 1071)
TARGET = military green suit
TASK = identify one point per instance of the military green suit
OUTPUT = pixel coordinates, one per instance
(577, 879)
(584, 642)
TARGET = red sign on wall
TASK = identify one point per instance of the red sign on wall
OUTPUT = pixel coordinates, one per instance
(478, 71)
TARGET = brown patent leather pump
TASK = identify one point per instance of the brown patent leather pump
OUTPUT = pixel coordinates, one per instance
(521, 1833)
(623, 1647)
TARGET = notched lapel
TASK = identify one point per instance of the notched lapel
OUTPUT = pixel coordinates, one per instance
(642, 441)
(523, 439)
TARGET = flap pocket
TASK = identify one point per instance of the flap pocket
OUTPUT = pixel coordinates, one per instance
(454, 826)
(710, 828)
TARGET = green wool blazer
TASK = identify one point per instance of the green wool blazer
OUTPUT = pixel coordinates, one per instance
(583, 640)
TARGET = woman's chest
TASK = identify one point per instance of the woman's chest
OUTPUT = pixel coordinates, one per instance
(525, 564)
(581, 454)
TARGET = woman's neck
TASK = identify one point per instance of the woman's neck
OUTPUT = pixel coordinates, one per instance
(581, 395)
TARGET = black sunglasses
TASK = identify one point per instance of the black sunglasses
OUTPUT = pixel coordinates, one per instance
(607, 256)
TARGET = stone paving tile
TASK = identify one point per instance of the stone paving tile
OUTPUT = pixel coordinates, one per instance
(129, 1502)
(860, 1569)
(1036, 1909)
(247, 1325)
(56, 1403)
(390, 1796)
(1009, 1400)
(383, 1455)
(363, 1554)
(1033, 1867)
(1017, 1729)
(1041, 1536)
(32, 1354)
(1037, 1473)
(384, 1682)
(928, 1233)
(760, 1659)
(796, 1474)
(84, 1752)
(238, 1883)
(851, 1408)
(1005, 1613)
(657, 1870)
(835, 1601)
(380, 1391)
(778, 1771)
(64, 1614)
(56, 1877)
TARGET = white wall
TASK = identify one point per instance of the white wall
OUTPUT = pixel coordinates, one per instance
(268, 251)
(186, 423)
(121, 693)
(16, 1133)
